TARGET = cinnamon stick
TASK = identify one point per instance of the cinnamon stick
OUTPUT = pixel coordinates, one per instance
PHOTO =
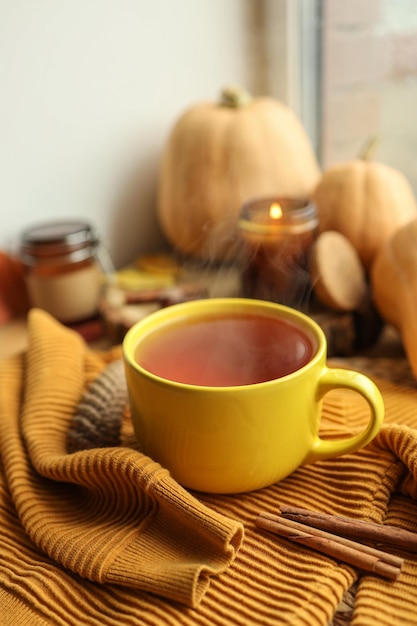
(350, 552)
(379, 534)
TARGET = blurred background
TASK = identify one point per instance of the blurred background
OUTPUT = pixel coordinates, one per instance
(90, 90)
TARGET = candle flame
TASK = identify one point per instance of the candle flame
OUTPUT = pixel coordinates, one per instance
(275, 211)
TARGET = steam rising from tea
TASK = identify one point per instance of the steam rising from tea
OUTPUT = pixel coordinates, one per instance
(223, 351)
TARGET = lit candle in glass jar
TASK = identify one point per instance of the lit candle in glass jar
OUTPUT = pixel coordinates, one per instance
(278, 234)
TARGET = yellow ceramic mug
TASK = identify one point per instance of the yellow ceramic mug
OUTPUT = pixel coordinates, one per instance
(222, 420)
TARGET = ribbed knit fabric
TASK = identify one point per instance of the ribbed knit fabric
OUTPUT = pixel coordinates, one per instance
(104, 536)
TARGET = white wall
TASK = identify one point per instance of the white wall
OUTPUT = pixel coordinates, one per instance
(88, 92)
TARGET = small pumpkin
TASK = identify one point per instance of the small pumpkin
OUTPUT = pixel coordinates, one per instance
(218, 156)
(366, 201)
(394, 286)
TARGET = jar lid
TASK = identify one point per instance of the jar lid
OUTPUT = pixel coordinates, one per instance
(57, 238)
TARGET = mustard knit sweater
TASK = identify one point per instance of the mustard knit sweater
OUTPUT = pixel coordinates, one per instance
(104, 536)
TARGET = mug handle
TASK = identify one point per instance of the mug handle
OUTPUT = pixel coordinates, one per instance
(331, 378)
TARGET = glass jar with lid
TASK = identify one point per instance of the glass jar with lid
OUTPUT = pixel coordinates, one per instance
(277, 236)
(63, 274)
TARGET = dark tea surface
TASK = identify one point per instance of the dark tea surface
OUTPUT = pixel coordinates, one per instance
(223, 351)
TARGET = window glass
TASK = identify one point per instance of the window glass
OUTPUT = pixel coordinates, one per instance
(368, 81)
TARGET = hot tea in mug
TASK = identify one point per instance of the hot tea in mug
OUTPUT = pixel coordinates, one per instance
(226, 393)
(226, 350)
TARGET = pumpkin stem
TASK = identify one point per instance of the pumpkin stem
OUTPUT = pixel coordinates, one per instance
(234, 97)
(368, 149)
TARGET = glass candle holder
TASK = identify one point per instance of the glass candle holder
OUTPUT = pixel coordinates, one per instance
(62, 271)
(277, 236)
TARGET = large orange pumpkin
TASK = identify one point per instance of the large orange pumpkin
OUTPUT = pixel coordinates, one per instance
(218, 156)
